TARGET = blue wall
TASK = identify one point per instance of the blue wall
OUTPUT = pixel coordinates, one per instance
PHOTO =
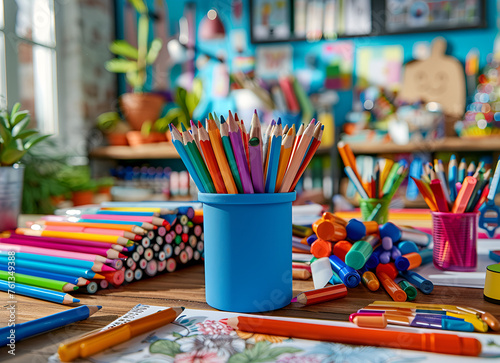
(459, 41)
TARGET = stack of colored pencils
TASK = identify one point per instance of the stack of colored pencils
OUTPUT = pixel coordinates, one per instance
(464, 190)
(380, 183)
(105, 249)
(223, 158)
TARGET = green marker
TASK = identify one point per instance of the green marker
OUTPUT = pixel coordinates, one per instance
(360, 252)
(411, 291)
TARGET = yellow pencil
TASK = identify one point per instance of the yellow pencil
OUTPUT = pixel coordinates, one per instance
(220, 155)
(386, 170)
(286, 151)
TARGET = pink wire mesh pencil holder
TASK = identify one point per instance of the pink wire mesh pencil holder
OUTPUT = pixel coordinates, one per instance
(455, 241)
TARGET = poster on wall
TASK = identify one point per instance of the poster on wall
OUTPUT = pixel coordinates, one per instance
(273, 61)
(379, 66)
(338, 60)
(271, 20)
(415, 15)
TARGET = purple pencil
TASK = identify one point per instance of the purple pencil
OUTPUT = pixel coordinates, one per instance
(70, 241)
(105, 252)
(255, 149)
(239, 154)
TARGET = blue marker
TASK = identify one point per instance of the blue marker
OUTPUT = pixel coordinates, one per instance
(348, 275)
(420, 282)
(407, 247)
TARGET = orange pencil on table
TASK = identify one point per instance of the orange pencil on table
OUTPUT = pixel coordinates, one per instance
(286, 151)
(430, 342)
(439, 197)
(75, 235)
(220, 155)
(317, 296)
(464, 195)
(211, 160)
(312, 149)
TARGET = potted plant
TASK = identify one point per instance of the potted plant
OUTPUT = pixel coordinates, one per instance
(15, 140)
(79, 182)
(113, 127)
(138, 106)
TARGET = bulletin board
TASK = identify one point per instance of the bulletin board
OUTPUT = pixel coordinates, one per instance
(295, 20)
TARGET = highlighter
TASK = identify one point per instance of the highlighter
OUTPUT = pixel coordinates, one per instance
(370, 281)
(360, 252)
(356, 229)
(348, 275)
(413, 260)
(411, 291)
(393, 289)
(421, 283)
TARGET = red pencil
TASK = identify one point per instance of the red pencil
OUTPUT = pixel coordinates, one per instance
(439, 197)
(211, 161)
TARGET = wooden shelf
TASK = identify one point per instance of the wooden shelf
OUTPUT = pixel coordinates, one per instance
(160, 150)
(445, 144)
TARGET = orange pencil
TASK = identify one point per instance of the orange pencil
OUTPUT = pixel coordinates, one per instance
(348, 157)
(464, 195)
(120, 227)
(314, 146)
(430, 342)
(220, 155)
(426, 193)
(439, 197)
(297, 141)
(286, 151)
(76, 235)
(211, 160)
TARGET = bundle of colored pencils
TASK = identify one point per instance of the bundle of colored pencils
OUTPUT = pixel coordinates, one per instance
(382, 182)
(464, 190)
(97, 251)
(223, 158)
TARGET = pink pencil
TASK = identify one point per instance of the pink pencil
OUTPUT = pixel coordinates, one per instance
(76, 228)
(70, 241)
(102, 252)
(149, 219)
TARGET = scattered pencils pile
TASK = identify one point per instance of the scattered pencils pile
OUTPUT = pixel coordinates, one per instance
(223, 158)
(380, 183)
(61, 254)
(464, 190)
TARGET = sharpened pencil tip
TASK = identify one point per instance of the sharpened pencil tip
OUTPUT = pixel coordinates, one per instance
(183, 127)
(222, 119)
(99, 307)
(192, 123)
(75, 288)
(170, 127)
(273, 122)
(255, 111)
(279, 121)
(322, 127)
(200, 125)
(76, 300)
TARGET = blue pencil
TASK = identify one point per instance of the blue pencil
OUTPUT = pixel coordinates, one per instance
(51, 259)
(47, 323)
(179, 146)
(37, 292)
(274, 158)
(79, 281)
(60, 269)
(452, 178)
(125, 213)
(110, 221)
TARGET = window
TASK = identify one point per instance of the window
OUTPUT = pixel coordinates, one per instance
(28, 59)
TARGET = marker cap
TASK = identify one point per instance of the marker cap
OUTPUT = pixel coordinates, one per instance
(321, 248)
(390, 230)
(355, 230)
(395, 252)
(411, 291)
(374, 260)
(358, 254)
(347, 274)
(388, 268)
(311, 239)
(341, 248)
(407, 247)
(385, 257)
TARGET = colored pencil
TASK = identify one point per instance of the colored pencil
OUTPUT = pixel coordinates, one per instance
(49, 267)
(75, 235)
(285, 153)
(118, 206)
(196, 137)
(452, 178)
(495, 182)
(75, 228)
(211, 161)
(126, 213)
(78, 281)
(266, 144)
(462, 170)
(471, 169)
(226, 143)
(38, 281)
(432, 342)
(439, 197)
(328, 293)
(348, 157)
(426, 193)
(37, 293)
(220, 155)
(91, 344)
(274, 158)
(297, 158)
(179, 146)
(239, 155)
(245, 138)
(296, 143)
(47, 323)
(197, 160)
(156, 221)
(76, 222)
(144, 225)
(357, 184)
(255, 150)
(385, 171)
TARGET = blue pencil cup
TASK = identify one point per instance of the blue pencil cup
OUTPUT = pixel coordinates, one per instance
(248, 250)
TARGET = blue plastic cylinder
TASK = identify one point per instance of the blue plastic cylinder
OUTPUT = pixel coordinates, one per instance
(347, 274)
(407, 247)
(248, 250)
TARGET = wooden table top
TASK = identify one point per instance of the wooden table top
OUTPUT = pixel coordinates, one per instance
(186, 288)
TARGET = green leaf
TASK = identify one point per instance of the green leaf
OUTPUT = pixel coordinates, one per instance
(33, 141)
(6, 135)
(142, 40)
(139, 6)
(154, 50)
(20, 126)
(16, 108)
(107, 121)
(261, 352)
(117, 65)
(11, 156)
(177, 335)
(135, 79)
(25, 133)
(176, 116)
(18, 117)
(166, 347)
(124, 48)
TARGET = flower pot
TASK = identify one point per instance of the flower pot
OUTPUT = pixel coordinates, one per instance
(82, 197)
(136, 138)
(141, 107)
(117, 139)
(11, 187)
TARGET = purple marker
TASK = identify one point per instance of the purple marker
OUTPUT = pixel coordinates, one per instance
(385, 257)
(395, 253)
(387, 243)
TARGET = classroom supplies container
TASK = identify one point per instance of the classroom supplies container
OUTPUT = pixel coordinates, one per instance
(248, 250)
(368, 206)
(455, 241)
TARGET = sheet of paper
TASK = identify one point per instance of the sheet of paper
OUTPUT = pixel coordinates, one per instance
(199, 336)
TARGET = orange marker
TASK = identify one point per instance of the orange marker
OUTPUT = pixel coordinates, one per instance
(333, 218)
(321, 248)
(464, 195)
(391, 287)
(370, 281)
(328, 230)
(368, 321)
(430, 342)
(387, 268)
(341, 248)
(328, 293)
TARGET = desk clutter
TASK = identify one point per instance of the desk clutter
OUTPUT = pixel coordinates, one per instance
(57, 256)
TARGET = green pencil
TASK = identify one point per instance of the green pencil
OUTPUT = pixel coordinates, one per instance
(38, 282)
(226, 143)
(389, 181)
